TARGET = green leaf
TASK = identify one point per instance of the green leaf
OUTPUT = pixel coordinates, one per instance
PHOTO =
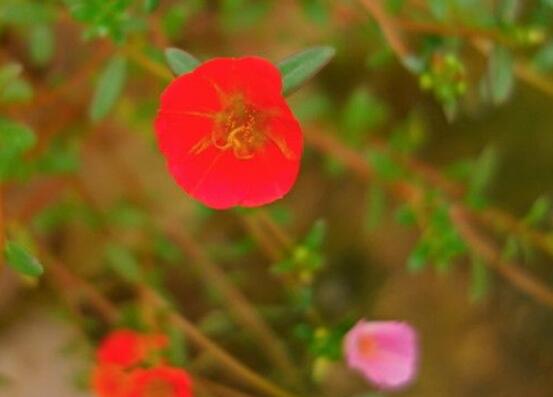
(376, 204)
(299, 68)
(13, 88)
(123, 262)
(108, 88)
(316, 10)
(17, 90)
(316, 235)
(500, 74)
(479, 279)
(15, 140)
(419, 257)
(20, 260)
(543, 60)
(483, 172)
(539, 210)
(180, 61)
(177, 352)
(405, 215)
(362, 113)
(41, 44)
(151, 5)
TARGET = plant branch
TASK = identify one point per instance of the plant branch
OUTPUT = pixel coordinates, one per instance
(65, 279)
(405, 191)
(388, 27)
(484, 248)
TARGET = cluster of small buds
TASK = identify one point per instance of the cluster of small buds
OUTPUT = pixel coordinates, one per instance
(445, 78)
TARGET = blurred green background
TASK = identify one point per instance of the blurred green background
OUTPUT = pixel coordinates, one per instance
(428, 105)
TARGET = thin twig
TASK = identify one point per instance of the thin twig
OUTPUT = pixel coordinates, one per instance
(387, 25)
(264, 240)
(541, 293)
(202, 341)
(234, 300)
(484, 248)
(64, 279)
(67, 280)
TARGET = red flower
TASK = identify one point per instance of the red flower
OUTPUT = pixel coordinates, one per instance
(160, 381)
(110, 381)
(120, 372)
(228, 135)
(127, 348)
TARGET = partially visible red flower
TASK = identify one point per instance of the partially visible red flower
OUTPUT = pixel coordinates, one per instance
(127, 348)
(162, 381)
(110, 381)
(228, 135)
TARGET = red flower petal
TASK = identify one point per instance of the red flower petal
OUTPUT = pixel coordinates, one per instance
(126, 348)
(110, 381)
(160, 382)
(258, 79)
(201, 95)
(243, 150)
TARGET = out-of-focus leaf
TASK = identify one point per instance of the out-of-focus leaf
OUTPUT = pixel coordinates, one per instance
(15, 140)
(405, 215)
(479, 279)
(21, 260)
(376, 204)
(299, 68)
(507, 10)
(177, 352)
(242, 14)
(316, 235)
(543, 60)
(386, 168)
(123, 262)
(511, 249)
(180, 61)
(127, 215)
(151, 5)
(108, 88)
(59, 159)
(316, 10)
(312, 106)
(177, 16)
(362, 113)
(13, 88)
(438, 8)
(16, 91)
(41, 44)
(483, 172)
(419, 257)
(409, 135)
(500, 74)
(538, 212)
(395, 6)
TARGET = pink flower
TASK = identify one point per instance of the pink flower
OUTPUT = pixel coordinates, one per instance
(385, 352)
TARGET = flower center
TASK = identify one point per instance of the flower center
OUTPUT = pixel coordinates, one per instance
(239, 127)
(367, 346)
(159, 388)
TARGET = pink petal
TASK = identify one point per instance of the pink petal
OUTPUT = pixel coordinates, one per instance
(391, 362)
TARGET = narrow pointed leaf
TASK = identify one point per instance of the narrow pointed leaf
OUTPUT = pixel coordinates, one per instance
(501, 75)
(108, 88)
(20, 260)
(180, 61)
(151, 5)
(299, 68)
